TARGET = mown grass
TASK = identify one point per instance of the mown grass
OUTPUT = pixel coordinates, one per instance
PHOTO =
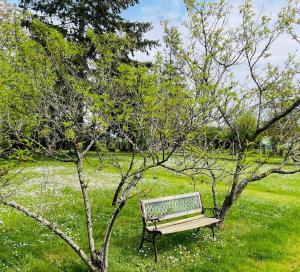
(261, 231)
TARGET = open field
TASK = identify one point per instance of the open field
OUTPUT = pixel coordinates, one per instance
(261, 231)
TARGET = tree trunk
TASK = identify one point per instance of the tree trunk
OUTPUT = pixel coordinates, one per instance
(230, 199)
(231, 196)
(213, 186)
(224, 210)
(104, 250)
(89, 225)
(213, 189)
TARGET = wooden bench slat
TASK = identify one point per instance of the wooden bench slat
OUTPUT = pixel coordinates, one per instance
(177, 222)
(201, 222)
(180, 214)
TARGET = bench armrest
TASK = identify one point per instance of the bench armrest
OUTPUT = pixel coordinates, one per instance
(215, 211)
(154, 221)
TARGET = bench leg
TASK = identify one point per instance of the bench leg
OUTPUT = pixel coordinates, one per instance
(142, 239)
(155, 247)
(197, 233)
(213, 231)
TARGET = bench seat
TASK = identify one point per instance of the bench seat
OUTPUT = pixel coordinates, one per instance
(183, 225)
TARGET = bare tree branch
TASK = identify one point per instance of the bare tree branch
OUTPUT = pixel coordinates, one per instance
(277, 117)
(53, 227)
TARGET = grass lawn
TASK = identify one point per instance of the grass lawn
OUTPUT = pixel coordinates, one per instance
(262, 231)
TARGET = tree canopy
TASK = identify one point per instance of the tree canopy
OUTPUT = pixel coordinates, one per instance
(74, 18)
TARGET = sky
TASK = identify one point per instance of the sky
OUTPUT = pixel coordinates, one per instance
(155, 11)
(174, 11)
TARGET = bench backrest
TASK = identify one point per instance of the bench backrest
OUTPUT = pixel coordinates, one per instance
(171, 206)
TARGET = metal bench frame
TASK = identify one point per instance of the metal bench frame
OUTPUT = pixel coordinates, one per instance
(172, 207)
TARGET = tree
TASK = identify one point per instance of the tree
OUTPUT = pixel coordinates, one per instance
(291, 18)
(162, 113)
(25, 72)
(74, 18)
(249, 107)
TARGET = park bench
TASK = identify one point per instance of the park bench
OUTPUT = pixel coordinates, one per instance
(182, 212)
